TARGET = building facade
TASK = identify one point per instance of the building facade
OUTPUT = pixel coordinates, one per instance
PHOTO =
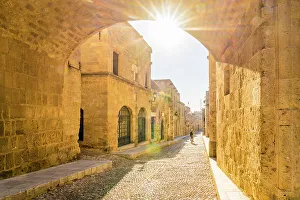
(203, 121)
(168, 116)
(160, 114)
(115, 89)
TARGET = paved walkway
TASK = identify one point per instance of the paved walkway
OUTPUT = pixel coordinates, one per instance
(179, 171)
(227, 190)
(35, 183)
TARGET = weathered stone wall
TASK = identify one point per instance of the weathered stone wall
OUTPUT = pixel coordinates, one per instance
(245, 148)
(95, 54)
(132, 50)
(33, 131)
(206, 114)
(71, 107)
(212, 113)
(268, 89)
(94, 102)
(287, 96)
(239, 125)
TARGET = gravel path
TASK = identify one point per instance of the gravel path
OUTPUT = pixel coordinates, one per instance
(180, 171)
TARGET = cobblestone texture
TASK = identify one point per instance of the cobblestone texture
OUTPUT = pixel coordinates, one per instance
(180, 171)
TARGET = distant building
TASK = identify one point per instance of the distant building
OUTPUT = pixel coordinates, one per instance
(168, 116)
(188, 116)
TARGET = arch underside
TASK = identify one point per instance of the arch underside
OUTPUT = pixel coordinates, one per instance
(58, 27)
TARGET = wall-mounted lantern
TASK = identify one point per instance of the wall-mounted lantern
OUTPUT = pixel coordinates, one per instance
(153, 97)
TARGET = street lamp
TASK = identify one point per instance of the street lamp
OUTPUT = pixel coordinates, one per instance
(153, 97)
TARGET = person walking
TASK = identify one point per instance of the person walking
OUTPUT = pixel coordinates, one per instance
(192, 136)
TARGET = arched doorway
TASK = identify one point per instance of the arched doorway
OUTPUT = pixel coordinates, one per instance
(162, 130)
(124, 126)
(142, 125)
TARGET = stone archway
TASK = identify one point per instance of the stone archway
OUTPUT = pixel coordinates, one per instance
(57, 32)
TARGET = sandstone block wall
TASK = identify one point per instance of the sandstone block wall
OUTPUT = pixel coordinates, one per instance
(33, 111)
(212, 113)
(238, 126)
(287, 90)
(94, 102)
(267, 90)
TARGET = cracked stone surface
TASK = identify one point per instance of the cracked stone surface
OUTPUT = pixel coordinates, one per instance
(180, 171)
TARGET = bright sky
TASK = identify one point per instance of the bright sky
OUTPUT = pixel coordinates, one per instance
(177, 56)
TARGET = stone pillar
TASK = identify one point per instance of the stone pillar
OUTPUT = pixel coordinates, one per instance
(134, 124)
(206, 114)
(211, 129)
(288, 98)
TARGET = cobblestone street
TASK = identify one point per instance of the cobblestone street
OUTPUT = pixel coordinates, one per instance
(180, 171)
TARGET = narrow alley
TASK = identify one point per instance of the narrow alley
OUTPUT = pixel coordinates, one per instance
(180, 171)
(98, 99)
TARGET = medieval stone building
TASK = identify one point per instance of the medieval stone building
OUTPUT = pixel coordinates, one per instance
(196, 120)
(168, 117)
(115, 88)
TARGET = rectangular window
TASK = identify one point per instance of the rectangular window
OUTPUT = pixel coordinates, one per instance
(146, 80)
(226, 81)
(115, 63)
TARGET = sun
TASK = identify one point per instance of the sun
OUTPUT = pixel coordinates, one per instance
(168, 33)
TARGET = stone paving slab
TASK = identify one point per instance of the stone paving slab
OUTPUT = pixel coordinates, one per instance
(140, 150)
(179, 171)
(227, 190)
(35, 183)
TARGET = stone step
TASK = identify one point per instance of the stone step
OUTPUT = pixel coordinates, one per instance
(35, 183)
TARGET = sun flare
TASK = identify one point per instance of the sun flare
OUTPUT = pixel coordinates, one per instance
(168, 33)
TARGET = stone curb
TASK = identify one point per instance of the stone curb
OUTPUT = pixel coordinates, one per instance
(211, 172)
(34, 190)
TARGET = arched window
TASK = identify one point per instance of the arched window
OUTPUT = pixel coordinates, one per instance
(124, 127)
(142, 125)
